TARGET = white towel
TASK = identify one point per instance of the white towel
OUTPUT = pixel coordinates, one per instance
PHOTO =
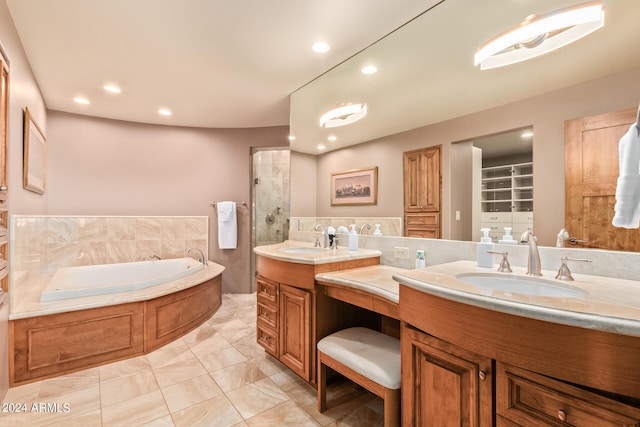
(227, 225)
(627, 208)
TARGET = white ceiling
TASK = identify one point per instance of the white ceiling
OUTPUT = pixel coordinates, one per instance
(213, 63)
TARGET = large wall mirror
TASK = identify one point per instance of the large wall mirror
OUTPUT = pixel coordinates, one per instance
(428, 92)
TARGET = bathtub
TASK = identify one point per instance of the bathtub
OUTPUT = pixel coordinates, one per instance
(76, 282)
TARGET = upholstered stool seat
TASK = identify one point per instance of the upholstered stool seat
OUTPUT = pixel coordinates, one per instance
(368, 358)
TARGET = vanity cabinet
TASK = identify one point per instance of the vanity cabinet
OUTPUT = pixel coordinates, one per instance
(422, 181)
(444, 383)
(292, 316)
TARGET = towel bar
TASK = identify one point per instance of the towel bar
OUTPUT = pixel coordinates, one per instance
(214, 204)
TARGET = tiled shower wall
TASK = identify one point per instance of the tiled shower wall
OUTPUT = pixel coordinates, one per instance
(271, 169)
(41, 244)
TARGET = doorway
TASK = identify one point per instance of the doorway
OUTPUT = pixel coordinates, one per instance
(270, 193)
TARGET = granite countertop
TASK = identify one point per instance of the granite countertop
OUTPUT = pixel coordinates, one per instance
(280, 252)
(28, 301)
(610, 304)
(376, 279)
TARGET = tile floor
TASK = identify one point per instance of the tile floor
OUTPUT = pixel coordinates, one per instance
(215, 376)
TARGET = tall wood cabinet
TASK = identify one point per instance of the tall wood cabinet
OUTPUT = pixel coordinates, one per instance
(422, 182)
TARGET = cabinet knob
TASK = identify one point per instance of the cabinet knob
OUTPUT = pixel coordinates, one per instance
(3, 188)
(482, 375)
(562, 416)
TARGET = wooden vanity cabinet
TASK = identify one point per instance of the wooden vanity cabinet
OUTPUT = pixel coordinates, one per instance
(443, 384)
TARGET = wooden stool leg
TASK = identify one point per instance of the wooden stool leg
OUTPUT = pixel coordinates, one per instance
(322, 385)
(392, 408)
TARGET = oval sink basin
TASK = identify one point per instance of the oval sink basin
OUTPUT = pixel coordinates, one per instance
(520, 285)
(304, 250)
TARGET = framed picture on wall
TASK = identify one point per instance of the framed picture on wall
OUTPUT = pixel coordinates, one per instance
(355, 187)
(35, 153)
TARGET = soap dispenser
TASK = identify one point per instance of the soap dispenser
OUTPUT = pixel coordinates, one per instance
(485, 259)
(377, 231)
(353, 238)
(507, 238)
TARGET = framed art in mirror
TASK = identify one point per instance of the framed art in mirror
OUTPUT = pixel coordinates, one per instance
(35, 152)
(355, 187)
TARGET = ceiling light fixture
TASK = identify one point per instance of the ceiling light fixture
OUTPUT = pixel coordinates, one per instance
(111, 88)
(332, 138)
(321, 147)
(369, 69)
(164, 112)
(82, 101)
(538, 35)
(320, 47)
(343, 115)
(526, 134)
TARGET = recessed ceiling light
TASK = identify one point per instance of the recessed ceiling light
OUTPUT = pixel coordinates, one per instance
(526, 134)
(332, 138)
(291, 138)
(321, 147)
(320, 47)
(164, 112)
(83, 101)
(112, 88)
(369, 69)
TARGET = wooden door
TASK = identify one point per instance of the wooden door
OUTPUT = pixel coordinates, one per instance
(444, 385)
(422, 180)
(591, 172)
(295, 340)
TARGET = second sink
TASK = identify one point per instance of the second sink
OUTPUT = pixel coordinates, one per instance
(488, 283)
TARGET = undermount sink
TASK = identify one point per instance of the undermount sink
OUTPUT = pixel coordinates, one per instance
(487, 283)
(304, 250)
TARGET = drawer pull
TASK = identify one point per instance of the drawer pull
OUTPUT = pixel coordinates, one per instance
(482, 375)
(562, 416)
(265, 315)
(267, 338)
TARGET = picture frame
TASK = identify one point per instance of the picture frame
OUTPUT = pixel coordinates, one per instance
(355, 187)
(35, 154)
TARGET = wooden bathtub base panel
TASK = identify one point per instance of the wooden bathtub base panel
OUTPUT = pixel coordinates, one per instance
(56, 344)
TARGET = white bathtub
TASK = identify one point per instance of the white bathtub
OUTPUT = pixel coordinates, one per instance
(75, 282)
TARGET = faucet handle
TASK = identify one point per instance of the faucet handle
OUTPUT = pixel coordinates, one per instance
(504, 266)
(564, 273)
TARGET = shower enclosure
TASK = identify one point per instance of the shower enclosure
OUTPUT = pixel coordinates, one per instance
(269, 199)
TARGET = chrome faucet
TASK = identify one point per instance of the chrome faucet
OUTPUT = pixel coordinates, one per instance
(533, 265)
(154, 256)
(363, 226)
(320, 227)
(202, 258)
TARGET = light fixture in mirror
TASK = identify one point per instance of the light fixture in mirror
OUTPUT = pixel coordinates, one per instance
(343, 115)
(538, 35)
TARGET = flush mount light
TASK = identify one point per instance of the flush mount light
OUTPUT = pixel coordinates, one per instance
(369, 69)
(538, 35)
(83, 101)
(291, 138)
(111, 88)
(343, 115)
(320, 47)
(526, 134)
(321, 147)
(164, 112)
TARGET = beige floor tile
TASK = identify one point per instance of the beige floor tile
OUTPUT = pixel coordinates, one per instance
(236, 330)
(249, 347)
(160, 422)
(136, 411)
(178, 372)
(203, 333)
(268, 364)
(124, 368)
(177, 351)
(68, 383)
(209, 345)
(88, 419)
(27, 393)
(257, 397)
(77, 405)
(124, 388)
(215, 412)
(236, 376)
(285, 414)
(190, 392)
(221, 358)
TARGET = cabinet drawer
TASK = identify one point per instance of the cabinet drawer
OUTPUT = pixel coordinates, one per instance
(268, 315)
(527, 398)
(424, 233)
(267, 291)
(267, 338)
(526, 217)
(496, 217)
(422, 219)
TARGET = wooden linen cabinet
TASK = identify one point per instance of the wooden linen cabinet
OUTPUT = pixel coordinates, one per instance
(422, 183)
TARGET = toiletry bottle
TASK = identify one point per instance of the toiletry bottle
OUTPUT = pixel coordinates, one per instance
(485, 259)
(377, 231)
(353, 238)
(507, 238)
(420, 262)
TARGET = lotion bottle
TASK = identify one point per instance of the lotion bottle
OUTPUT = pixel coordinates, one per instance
(485, 259)
(420, 262)
(353, 238)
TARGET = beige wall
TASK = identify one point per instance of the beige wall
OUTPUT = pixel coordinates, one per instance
(547, 113)
(23, 92)
(109, 167)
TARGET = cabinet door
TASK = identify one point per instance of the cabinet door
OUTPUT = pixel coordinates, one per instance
(422, 180)
(295, 329)
(443, 384)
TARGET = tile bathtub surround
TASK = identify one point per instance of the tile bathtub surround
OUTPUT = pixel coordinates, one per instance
(41, 244)
(215, 376)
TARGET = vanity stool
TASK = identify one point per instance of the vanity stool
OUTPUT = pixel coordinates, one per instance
(368, 358)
